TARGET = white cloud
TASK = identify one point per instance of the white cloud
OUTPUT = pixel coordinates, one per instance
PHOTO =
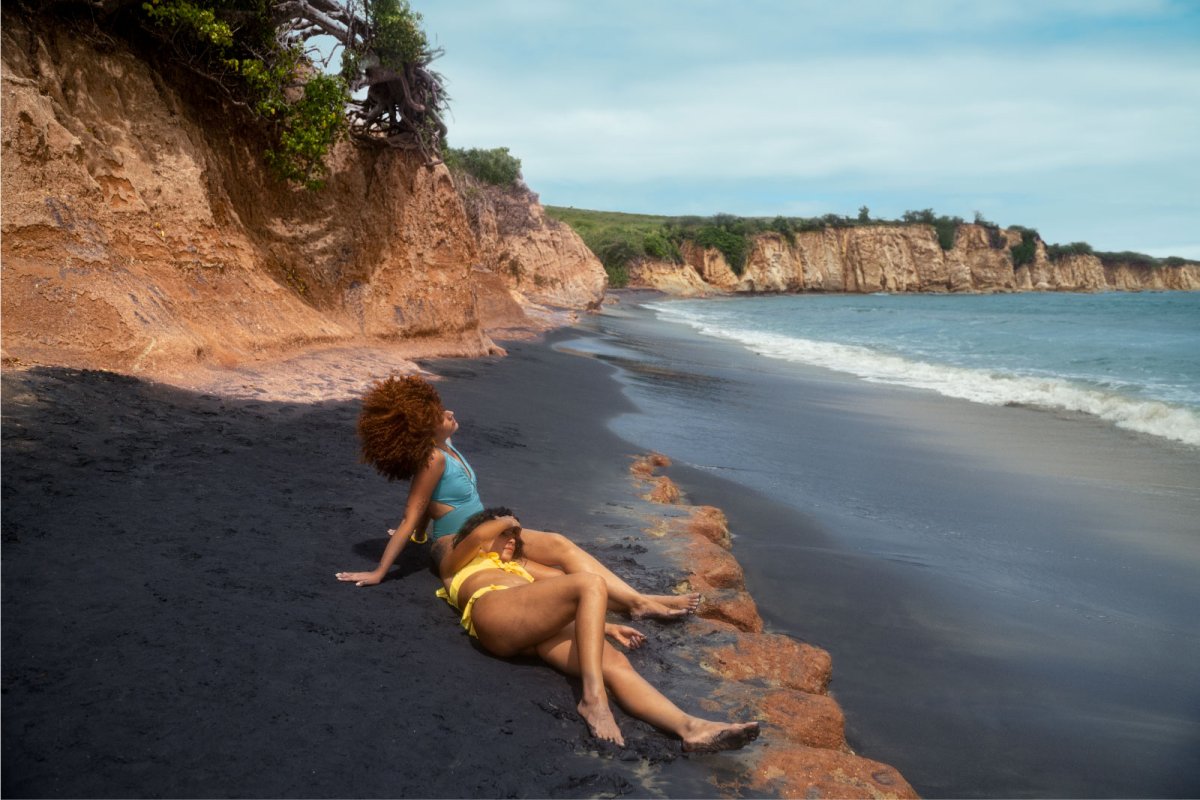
(1039, 108)
(956, 115)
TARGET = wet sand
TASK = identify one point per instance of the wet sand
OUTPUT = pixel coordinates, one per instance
(172, 626)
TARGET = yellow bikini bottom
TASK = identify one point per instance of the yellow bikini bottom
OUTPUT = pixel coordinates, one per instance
(467, 622)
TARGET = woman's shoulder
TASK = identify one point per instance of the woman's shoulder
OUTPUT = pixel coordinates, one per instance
(435, 463)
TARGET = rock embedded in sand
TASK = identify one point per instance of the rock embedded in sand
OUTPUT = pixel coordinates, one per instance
(643, 466)
(710, 522)
(814, 720)
(799, 771)
(775, 660)
(766, 676)
(732, 606)
(664, 491)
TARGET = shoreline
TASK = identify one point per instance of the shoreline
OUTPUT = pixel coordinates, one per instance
(952, 557)
(186, 490)
(784, 680)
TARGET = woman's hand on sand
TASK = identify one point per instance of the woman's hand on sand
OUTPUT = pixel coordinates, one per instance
(359, 578)
(631, 638)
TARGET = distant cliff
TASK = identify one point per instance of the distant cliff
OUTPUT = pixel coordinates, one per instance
(899, 258)
(140, 228)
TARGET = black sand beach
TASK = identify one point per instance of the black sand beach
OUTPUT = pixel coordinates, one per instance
(1009, 594)
(172, 626)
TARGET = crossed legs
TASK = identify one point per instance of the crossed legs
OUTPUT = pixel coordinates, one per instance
(550, 554)
(556, 550)
(562, 620)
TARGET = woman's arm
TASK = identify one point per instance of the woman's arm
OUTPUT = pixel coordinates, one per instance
(415, 515)
(475, 542)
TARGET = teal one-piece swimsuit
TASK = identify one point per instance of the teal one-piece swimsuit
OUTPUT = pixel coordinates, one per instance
(457, 489)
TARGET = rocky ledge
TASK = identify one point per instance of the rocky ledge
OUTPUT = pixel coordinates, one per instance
(766, 676)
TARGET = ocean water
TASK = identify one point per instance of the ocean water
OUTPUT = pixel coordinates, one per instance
(1130, 359)
(1009, 594)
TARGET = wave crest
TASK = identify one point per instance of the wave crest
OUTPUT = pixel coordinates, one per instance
(1153, 417)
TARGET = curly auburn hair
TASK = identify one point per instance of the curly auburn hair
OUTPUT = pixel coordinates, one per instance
(396, 425)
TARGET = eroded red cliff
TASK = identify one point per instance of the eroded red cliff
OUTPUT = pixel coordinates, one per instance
(141, 230)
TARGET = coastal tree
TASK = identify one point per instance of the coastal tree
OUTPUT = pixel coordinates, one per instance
(266, 56)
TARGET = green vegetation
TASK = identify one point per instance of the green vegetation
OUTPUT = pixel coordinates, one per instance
(1025, 252)
(397, 37)
(1128, 257)
(234, 43)
(255, 52)
(496, 166)
(615, 238)
(1054, 252)
(946, 227)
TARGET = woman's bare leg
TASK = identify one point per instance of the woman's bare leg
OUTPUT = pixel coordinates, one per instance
(556, 550)
(640, 699)
(513, 620)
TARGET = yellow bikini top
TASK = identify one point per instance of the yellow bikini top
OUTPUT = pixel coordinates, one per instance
(477, 564)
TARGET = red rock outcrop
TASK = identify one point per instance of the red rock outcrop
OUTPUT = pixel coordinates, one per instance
(766, 676)
(900, 258)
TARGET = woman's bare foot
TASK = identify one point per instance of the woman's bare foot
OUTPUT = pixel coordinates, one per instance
(600, 721)
(624, 635)
(664, 606)
(706, 736)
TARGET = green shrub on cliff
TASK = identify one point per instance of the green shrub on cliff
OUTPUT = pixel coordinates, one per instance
(615, 238)
(234, 43)
(1055, 252)
(733, 244)
(945, 227)
(1128, 257)
(657, 245)
(496, 166)
(1026, 251)
(257, 53)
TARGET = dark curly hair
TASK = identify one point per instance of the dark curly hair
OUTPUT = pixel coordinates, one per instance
(480, 517)
(397, 424)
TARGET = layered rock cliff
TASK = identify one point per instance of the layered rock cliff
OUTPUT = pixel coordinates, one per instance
(141, 229)
(539, 259)
(893, 258)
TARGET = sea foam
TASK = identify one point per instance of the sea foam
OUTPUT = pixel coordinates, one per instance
(976, 385)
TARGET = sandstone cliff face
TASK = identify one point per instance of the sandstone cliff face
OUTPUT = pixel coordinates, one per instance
(541, 260)
(889, 258)
(680, 280)
(141, 230)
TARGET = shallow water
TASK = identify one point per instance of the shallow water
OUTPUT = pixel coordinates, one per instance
(1009, 593)
(1131, 359)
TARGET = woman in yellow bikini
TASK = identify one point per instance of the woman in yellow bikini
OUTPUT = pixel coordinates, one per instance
(404, 432)
(562, 620)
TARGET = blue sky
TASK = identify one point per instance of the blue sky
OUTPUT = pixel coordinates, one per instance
(1078, 117)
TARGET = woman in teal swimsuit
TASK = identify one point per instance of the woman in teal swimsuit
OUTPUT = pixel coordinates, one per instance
(404, 432)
